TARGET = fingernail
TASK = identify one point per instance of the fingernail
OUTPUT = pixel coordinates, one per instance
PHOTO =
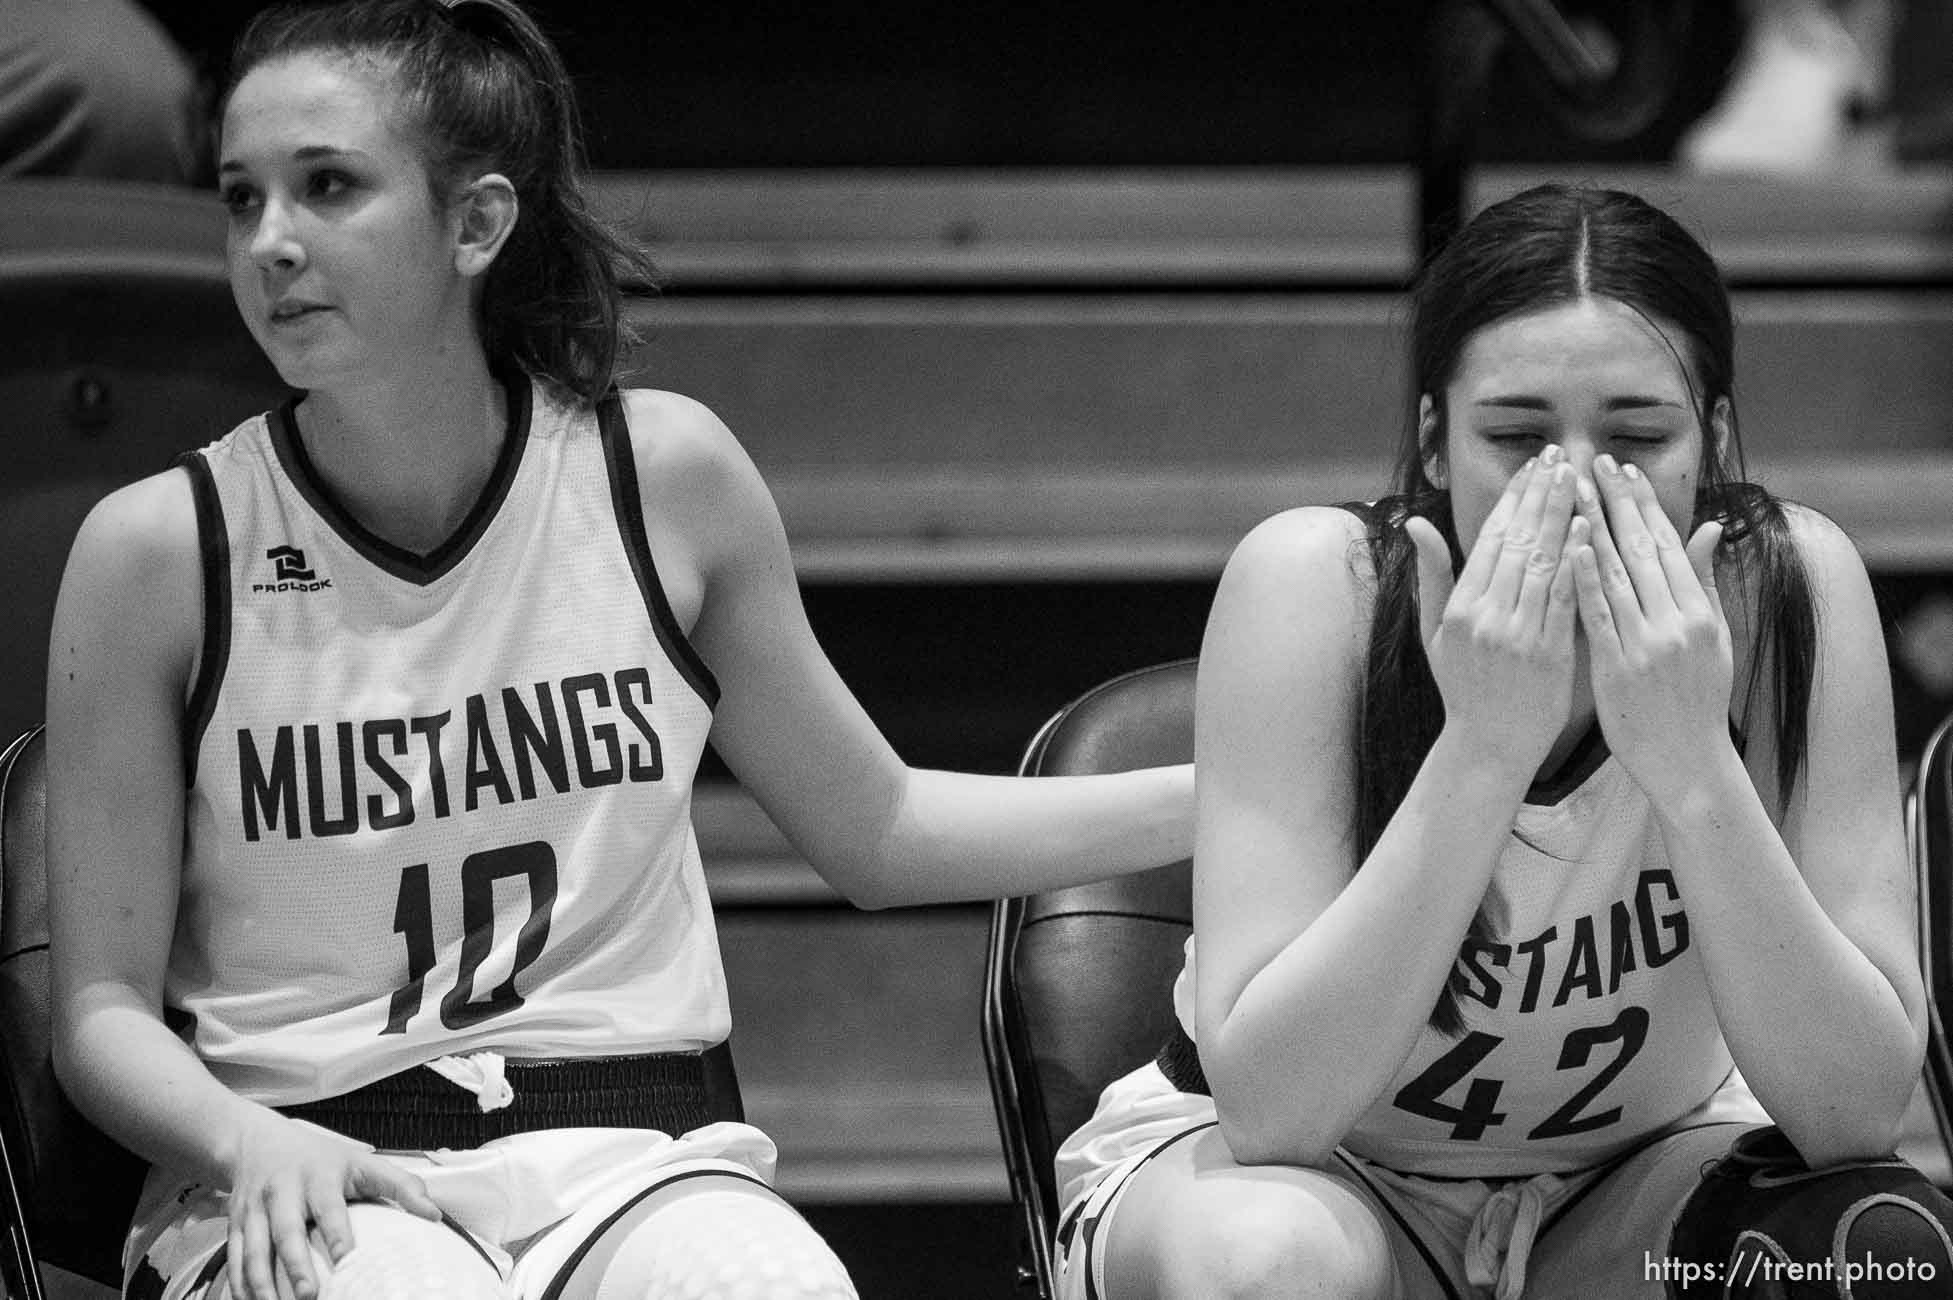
(1605, 464)
(1531, 461)
(1631, 470)
(1583, 487)
(1551, 455)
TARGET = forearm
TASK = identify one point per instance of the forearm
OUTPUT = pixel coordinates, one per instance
(1315, 1036)
(142, 1086)
(956, 836)
(1819, 1032)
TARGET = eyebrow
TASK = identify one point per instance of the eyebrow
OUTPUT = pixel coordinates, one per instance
(310, 153)
(1632, 402)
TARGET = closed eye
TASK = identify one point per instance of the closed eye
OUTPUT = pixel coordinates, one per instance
(237, 197)
(329, 184)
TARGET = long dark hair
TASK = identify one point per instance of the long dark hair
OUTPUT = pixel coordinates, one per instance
(1548, 246)
(488, 92)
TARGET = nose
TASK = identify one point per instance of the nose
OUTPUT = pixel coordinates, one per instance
(1579, 451)
(274, 240)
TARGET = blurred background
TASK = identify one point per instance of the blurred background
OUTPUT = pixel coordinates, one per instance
(1027, 313)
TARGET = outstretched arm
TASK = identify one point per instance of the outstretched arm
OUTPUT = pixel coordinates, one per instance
(1807, 931)
(881, 832)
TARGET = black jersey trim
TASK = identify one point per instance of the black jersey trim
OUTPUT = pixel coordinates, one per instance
(1586, 758)
(409, 566)
(563, 1274)
(628, 501)
(214, 552)
(1581, 762)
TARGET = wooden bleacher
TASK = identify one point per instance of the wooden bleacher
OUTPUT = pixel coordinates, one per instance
(1038, 374)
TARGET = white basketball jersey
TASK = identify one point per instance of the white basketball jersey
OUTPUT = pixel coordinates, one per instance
(1588, 1024)
(439, 803)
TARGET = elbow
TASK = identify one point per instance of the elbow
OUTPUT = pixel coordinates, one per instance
(69, 1070)
(1846, 1139)
(870, 895)
(1264, 1125)
(1854, 1122)
(863, 879)
(63, 1062)
(870, 886)
(852, 874)
(1254, 1140)
(1261, 1130)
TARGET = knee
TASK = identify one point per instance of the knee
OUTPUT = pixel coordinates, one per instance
(726, 1246)
(1282, 1249)
(397, 1254)
(1898, 1236)
(1870, 1230)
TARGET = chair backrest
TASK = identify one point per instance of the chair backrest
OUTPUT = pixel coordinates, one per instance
(1930, 833)
(69, 1190)
(120, 346)
(1079, 981)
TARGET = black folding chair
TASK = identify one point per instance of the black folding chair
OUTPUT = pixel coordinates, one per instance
(1929, 830)
(69, 1190)
(1077, 989)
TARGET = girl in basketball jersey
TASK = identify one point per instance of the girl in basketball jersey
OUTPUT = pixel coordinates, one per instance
(380, 926)
(1548, 847)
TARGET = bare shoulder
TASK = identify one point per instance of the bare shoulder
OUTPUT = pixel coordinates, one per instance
(133, 585)
(687, 456)
(1826, 549)
(679, 434)
(141, 533)
(697, 481)
(1309, 533)
(1830, 560)
(1294, 599)
(1315, 554)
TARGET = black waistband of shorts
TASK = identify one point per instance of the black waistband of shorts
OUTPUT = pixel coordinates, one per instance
(419, 1110)
(1179, 1061)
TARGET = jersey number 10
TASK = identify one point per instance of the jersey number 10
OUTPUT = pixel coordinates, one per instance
(413, 917)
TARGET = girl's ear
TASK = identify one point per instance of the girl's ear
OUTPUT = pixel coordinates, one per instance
(1722, 427)
(488, 210)
(1428, 440)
